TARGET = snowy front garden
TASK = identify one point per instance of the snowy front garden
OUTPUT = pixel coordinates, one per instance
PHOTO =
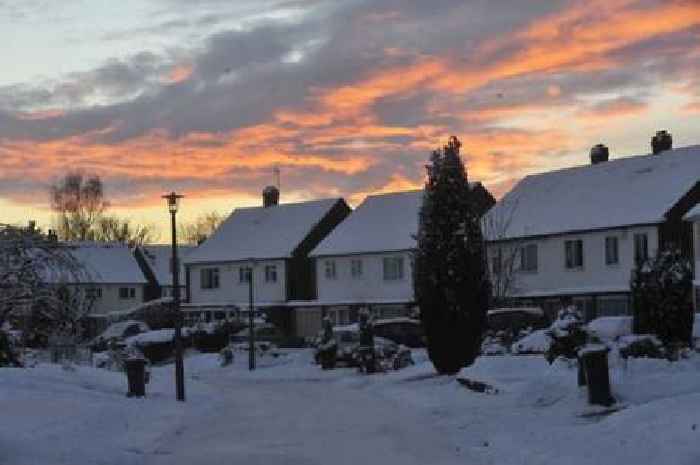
(291, 411)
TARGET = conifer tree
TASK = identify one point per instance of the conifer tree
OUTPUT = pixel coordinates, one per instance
(662, 293)
(451, 283)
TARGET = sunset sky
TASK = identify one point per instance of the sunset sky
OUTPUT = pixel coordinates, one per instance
(347, 97)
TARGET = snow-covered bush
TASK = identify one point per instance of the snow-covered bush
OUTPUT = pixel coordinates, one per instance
(610, 328)
(641, 346)
(493, 345)
(568, 334)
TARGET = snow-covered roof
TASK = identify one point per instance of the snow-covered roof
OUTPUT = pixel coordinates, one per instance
(262, 233)
(622, 192)
(383, 222)
(107, 264)
(159, 257)
(693, 214)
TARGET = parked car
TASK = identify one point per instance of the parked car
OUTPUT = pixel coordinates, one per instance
(264, 332)
(406, 331)
(515, 319)
(117, 333)
(348, 343)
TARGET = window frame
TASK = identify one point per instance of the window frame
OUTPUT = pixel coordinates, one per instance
(612, 253)
(526, 259)
(573, 254)
(390, 273)
(244, 274)
(209, 278)
(127, 293)
(329, 270)
(638, 259)
(356, 268)
(270, 273)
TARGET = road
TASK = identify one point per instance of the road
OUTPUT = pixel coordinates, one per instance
(301, 421)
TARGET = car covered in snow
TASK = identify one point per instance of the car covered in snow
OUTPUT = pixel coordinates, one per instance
(263, 332)
(347, 339)
(117, 333)
(406, 331)
(515, 319)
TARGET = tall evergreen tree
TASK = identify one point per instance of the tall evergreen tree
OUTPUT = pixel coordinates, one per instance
(451, 281)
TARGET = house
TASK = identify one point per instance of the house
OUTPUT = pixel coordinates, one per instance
(367, 261)
(155, 261)
(272, 241)
(576, 234)
(110, 277)
(694, 216)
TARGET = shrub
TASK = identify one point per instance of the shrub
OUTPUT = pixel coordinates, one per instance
(568, 334)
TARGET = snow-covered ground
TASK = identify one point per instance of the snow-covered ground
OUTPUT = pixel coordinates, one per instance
(289, 411)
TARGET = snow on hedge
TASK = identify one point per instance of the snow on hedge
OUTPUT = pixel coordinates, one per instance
(611, 328)
(537, 342)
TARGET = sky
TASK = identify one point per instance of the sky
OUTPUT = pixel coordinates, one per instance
(346, 97)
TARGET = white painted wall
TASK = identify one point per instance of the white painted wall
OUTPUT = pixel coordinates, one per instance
(234, 292)
(371, 286)
(110, 301)
(552, 277)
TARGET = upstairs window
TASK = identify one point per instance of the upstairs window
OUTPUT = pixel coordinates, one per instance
(612, 254)
(356, 268)
(244, 274)
(127, 293)
(641, 248)
(574, 254)
(94, 293)
(528, 258)
(329, 267)
(393, 268)
(270, 274)
(209, 278)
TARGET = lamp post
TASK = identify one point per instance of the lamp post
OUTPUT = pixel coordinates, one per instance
(251, 331)
(173, 200)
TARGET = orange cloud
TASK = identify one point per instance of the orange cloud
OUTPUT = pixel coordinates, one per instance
(611, 109)
(179, 73)
(691, 108)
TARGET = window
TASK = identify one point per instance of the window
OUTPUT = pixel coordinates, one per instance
(641, 248)
(270, 274)
(528, 258)
(496, 262)
(127, 293)
(574, 253)
(94, 293)
(209, 278)
(393, 268)
(356, 268)
(329, 269)
(612, 255)
(244, 274)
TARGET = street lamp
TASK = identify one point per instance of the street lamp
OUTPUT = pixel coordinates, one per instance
(251, 331)
(173, 200)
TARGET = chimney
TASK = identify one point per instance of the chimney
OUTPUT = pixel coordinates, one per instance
(599, 154)
(31, 226)
(661, 141)
(52, 236)
(271, 196)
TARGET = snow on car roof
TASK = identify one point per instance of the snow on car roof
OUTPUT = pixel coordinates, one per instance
(626, 191)
(262, 233)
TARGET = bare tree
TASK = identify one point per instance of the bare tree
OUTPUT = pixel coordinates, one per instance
(201, 228)
(114, 229)
(503, 252)
(78, 202)
(40, 283)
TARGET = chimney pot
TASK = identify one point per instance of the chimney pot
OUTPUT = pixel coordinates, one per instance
(599, 154)
(271, 196)
(661, 141)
